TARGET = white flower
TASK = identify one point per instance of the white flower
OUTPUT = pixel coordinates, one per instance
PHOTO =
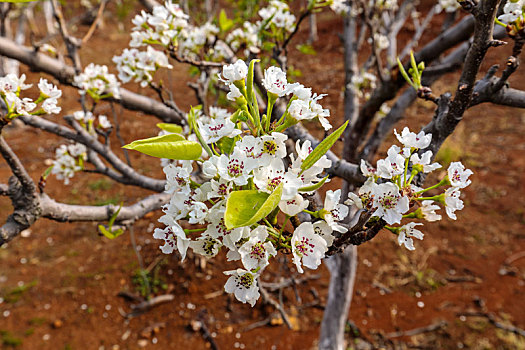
(275, 81)
(293, 206)
(428, 211)
(365, 195)
(243, 284)
(324, 230)
(413, 140)
(250, 146)
(272, 146)
(389, 203)
(235, 168)
(334, 211)
(178, 178)
(256, 252)
(424, 162)
(234, 72)
(301, 92)
(268, 178)
(458, 175)
(50, 106)
(197, 213)
(452, 202)
(234, 93)
(218, 128)
(406, 232)
(300, 110)
(24, 106)
(219, 189)
(173, 235)
(206, 246)
(11, 83)
(103, 122)
(366, 169)
(49, 90)
(209, 167)
(447, 5)
(307, 247)
(392, 165)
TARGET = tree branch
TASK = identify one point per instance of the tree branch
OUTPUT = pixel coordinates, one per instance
(40, 62)
(68, 213)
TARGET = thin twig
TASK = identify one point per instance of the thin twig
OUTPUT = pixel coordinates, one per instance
(492, 319)
(267, 298)
(95, 22)
(430, 328)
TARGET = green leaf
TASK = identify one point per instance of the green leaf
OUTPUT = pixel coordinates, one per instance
(225, 24)
(110, 234)
(171, 146)
(322, 148)
(169, 127)
(314, 187)
(245, 208)
(306, 49)
(226, 144)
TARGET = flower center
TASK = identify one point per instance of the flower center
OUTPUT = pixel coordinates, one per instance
(304, 247)
(270, 147)
(245, 281)
(235, 168)
(258, 251)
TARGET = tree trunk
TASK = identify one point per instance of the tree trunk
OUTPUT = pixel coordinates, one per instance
(342, 277)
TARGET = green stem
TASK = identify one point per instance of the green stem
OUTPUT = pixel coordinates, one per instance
(439, 184)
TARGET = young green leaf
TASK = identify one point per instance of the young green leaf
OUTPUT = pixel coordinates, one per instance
(169, 127)
(225, 23)
(171, 146)
(314, 187)
(245, 208)
(322, 148)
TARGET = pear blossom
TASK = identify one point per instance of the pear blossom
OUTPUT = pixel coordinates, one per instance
(275, 82)
(219, 189)
(366, 169)
(390, 204)
(235, 168)
(243, 284)
(452, 202)
(217, 128)
(293, 206)
(206, 246)
(406, 232)
(424, 162)
(448, 5)
(308, 248)
(413, 140)
(49, 90)
(272, 146)
(174, 237)
(324, 230)
(268, 178)
(512, 11)
(334, 211)
(458, 175)
(103, 122)
(177, 178)
(392, 165)
(234, 93)
(365, 195)
(256, 252)
(428, 211)
(234, 72)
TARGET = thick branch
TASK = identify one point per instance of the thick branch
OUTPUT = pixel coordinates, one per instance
(68, 213)
(16, 166)
(65, 74)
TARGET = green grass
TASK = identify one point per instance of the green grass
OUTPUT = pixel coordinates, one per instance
(9, 340)
(16, 293)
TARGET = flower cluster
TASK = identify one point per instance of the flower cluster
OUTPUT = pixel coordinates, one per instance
(447, 5)
(10, 88)
(253, 184)
(140, 66)
(389, 192)
(68, 160)
(363, 83)
(513, 13)
(277, 14)
(97, 82)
